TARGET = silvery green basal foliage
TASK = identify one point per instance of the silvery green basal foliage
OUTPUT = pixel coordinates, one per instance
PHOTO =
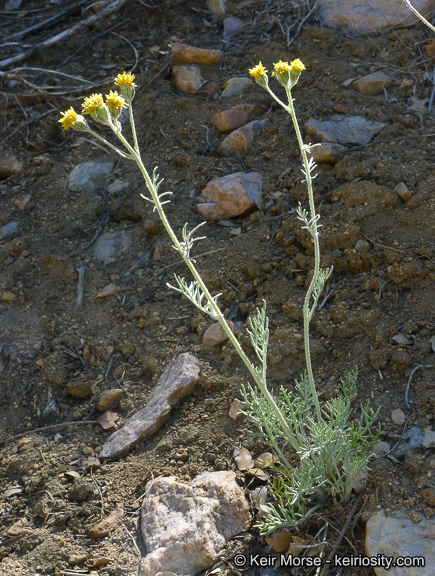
(321, 452)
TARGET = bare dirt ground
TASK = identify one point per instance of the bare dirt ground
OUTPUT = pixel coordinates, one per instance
(383, 287)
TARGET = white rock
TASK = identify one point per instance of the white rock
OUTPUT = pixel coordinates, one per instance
(185, 527)
(369, 16)
(399, 536)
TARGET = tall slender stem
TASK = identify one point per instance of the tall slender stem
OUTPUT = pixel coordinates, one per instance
(307, 312)
(258, 377)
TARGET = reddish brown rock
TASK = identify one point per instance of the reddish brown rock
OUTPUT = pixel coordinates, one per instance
(239, 143)
(372, 84)
(174, 385)
(215, 335)
(109, 398)
(187, 77)
(231, 196)
(152, 227)
(80, 390)
(235, 117)
(192, 55)
(108, 525)
(327, 153)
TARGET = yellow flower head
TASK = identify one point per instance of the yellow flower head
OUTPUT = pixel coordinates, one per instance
(125, 80)
(91, 103)
(69, 117)
(258, 71)
(281, 68)
(127, 86)
(297, 65)
(113, 100)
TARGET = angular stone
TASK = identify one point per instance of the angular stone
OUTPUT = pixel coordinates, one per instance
(399, 536)
(236, 86)
(80, 389)
(232, 25)
(186, 527)
(360, 18)
(152, 227)
(108, 399)
(372, 84)
(108, 524)
(235, 117)
(192, 55)
(239, 143)
(231, 196)
(90, 177)
(326, 153)
(174, 385)
(354, 130)
(403, 191)
(215, 334)
(9, 165)
(187, 77)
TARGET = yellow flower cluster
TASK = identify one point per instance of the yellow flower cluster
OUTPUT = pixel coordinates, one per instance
(125, 80)
(258, 71)
(297, 65)
(116, 102)
(100, 111)
(91, 103)
(69, 118)
(281, 68)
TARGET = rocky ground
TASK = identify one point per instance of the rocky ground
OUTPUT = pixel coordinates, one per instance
(66, 360)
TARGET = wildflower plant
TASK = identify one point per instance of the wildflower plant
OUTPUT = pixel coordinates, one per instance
(328, 450)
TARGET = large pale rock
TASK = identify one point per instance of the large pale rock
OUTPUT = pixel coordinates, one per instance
(354, 130)
(185, 527)
(235, 117)
(370, 16)
(372, 84)
(187, 77)
(239, 143)
(192, 55)
(231, 196)
(174, 385)
(399, 536)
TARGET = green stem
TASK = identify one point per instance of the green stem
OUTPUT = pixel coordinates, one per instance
(307, 312)
(259, 378)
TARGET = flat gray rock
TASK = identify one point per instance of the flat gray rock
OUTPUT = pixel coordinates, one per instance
(353, 130)
(186, 526)
(9, 229)
(370, 16)
(399, 536)
(90, 177)
(109, 245)
(177, 381)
